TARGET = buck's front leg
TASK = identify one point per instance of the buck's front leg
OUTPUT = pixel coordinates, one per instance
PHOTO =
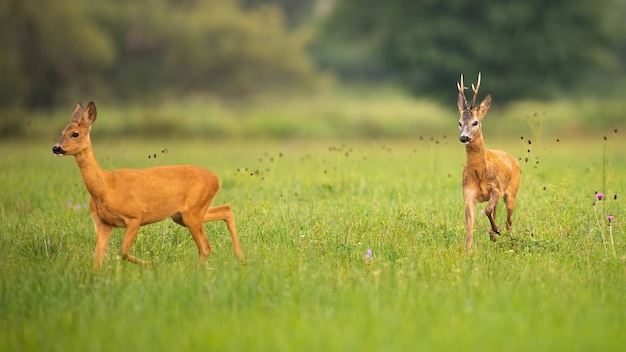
(470, 205)
(490, 211)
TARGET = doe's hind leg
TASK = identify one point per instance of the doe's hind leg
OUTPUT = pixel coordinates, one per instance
(224, 212)
(196, 229)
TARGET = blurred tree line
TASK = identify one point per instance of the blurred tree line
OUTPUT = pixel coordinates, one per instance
(532, 48)
(55, 51)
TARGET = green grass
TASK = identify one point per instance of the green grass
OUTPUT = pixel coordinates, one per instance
(307, 211)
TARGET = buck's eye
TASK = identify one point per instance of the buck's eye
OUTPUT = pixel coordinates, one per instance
(75, 134)
(475, 123)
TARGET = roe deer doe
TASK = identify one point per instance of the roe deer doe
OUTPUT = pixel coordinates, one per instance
(133, 198)
(488, 174)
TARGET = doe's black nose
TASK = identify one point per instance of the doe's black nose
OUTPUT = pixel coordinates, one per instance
(58, 150)
(464, 139)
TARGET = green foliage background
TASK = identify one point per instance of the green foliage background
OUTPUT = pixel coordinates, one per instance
(55, 51)
(124, 51)
(530, 49)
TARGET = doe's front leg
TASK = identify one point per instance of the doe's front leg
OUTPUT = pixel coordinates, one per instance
(103, 233)
(132, 228)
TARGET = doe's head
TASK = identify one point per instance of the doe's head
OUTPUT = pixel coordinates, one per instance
(75, 136)
(471, 115)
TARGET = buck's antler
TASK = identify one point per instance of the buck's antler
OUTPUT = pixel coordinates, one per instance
(461, 87)
(475, 89)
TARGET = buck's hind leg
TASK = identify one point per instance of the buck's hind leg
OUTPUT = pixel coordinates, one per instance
(509, 203)
(224, 212)
(510, 195)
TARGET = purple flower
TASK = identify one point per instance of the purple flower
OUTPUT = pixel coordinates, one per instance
(482, 212)
(368, 254)
(609, 218)
(69, 204)
(77, 207)
(600, 196)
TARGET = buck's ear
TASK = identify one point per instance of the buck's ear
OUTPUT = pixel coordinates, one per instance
(90, 113)
(77, 114)
(485, 105)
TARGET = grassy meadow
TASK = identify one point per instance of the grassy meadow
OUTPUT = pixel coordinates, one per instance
(307, 211)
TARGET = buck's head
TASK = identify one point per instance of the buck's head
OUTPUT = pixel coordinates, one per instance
(471, 115)
(75, 137)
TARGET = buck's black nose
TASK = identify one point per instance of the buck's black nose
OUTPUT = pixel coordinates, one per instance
(58, 150)
(464, 139)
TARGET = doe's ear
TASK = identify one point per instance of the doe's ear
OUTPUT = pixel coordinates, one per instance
(77, 114)
(484, 106)
(90, 113)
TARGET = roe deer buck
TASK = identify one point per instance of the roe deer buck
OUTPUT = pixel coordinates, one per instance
(132, 198)
(488, 174)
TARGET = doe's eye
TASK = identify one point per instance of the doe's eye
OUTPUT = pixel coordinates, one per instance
(75, 134)
(460, 124)
(475, 123)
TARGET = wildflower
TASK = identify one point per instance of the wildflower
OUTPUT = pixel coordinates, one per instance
(77, 207)
(610, 218)
(482, 212)
(600, 196)
(368, 254)
(69, 204)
